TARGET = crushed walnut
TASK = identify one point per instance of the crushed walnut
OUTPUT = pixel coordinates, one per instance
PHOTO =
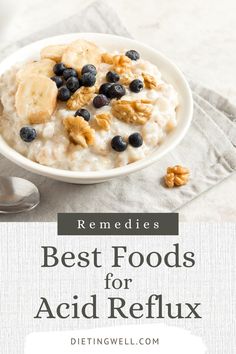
(103, 120)
(127, 77)
(149, 81)
(79, 131)
(121, 64)
(107, 58)
(81, 97)
(134, 112)
(176, 176)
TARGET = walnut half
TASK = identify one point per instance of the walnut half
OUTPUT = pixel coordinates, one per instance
(81, 97)
(149, 81)
(107, 58)
(127, 77)
(176, 176)
(121, 64)
(134, 112)
(103, 120)
(79, 131)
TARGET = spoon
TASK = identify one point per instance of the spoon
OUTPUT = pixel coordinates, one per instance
(17, 195)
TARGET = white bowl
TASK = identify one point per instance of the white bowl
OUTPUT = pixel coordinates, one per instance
(169, 72)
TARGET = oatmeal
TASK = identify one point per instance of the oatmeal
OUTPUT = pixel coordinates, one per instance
(82, 108)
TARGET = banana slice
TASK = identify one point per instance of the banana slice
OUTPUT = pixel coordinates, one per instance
(42, 67)
(53, 52)
(80, 53)
(36, 99)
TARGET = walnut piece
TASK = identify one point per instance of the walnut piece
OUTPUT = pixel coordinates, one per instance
(107, 58)
(121, 64)
(149, 81)
(176, 176)
(80, 98)
(134, 112)
(103, 120)
(127, 77)
(79, 131)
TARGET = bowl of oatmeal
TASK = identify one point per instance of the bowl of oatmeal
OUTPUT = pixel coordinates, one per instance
(85, 108)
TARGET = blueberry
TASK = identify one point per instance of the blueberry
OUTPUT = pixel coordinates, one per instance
(104, 88)
(132, 54)
(28, 134)
(88, 79)
(69, 73)
(63, 93)
(136, 85)
(59, 68)
(83, 113)
(116, 91)
(58, 81)
(89, 68)
(100, 101)
(72, 83)
(112, 76)
(118, 144)
(136, 140)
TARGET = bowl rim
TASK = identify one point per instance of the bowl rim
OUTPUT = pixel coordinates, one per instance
(52, 172)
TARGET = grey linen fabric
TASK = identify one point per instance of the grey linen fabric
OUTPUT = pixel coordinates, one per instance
(208, 148)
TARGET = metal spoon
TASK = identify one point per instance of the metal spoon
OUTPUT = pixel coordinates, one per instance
(17, 195)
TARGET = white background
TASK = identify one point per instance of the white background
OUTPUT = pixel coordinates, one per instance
(211, 281)
(206, 51)
(59, 342)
